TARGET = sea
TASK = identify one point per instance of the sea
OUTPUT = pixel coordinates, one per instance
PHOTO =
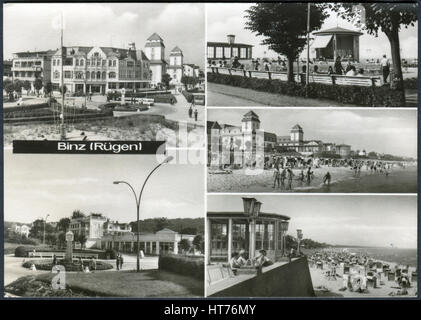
(398, 181)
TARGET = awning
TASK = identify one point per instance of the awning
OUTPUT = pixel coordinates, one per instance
(321, 41)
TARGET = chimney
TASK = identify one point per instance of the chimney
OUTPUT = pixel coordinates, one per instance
(231, 38)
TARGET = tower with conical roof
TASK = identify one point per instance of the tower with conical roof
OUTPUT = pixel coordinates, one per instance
(297, 133)
(155, 51)
(250, 122)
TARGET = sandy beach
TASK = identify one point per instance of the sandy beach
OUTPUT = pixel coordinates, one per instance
(343, 180)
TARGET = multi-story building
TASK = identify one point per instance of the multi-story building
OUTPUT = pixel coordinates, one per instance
(175, 68)
(92, 226)
(100, 69)
(227, 51)
(155, 52)
(29, 66)
(344, 150)
(21, 229)
(116, 228)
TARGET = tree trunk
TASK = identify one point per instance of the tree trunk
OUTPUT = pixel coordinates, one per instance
(393, 36)
(290, 69)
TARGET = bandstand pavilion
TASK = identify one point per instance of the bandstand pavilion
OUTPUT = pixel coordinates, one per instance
(250, 230)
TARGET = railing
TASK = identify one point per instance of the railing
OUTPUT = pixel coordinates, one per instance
(300, 77)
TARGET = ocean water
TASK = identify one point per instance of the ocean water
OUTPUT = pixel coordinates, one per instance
(398, 181)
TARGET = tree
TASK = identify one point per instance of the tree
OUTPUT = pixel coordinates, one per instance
(184, 244)
(188, 81)
(199, 242)
(82, 239)
(189, 230)
(160, 224)
(166, 79)
(284, 27)
(63, 224)
(385, 17)
(48, 88)
(18, 85)
(38, 85)
(27, 85)
(63, 88)
(77, 214)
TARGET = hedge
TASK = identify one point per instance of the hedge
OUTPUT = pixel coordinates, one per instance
(189, 96)
(184, 265)
(47, 265)
(165, 98)
(364, 96)
(410, 83)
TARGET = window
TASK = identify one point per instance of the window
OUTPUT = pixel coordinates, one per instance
(110, 63)
(54, 62)
(104, 62)
(114, 63)
(243, 52)
(93, 75)
(130, 64)
(81, 62)
(227, 52)
(88, 62)
(218, 52)
(104, 75)
(58, 62)
(77, 62)
(210, 52)
(68, 61)
(88, 75)
(235, 52)
(112, 75)
(219, 240)
(98, 63)
(67, 74)
(260, 232)
(98, 75)
(79, 75)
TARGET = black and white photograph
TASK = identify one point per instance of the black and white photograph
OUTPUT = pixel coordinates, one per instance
(136, 229)
(104, 71)
(312, 150)
(312, 54)
(312, 246)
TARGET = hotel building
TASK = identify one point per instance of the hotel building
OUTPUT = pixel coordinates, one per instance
(100, 69)
(227, 51)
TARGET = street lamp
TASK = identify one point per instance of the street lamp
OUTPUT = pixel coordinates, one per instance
(299, 237)
(168, 159)
(43, 236)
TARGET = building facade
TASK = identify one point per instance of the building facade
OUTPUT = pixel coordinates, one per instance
(155, 52)
(163, 241)
(30, 66)
(91, 226)
(227, 51)
(250, 230)
(100, 69)
(175, 68)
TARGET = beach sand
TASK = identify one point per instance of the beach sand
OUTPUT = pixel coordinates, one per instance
(320, 281)
(343, 180)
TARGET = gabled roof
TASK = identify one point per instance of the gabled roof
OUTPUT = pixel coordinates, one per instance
(166, 230)
(155, 37)
(250, 116)
(176, 50)
(297, 127)
(213, 125)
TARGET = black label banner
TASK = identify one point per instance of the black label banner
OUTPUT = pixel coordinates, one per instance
(89, 147)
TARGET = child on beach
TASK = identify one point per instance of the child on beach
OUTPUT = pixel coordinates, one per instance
(327, 178)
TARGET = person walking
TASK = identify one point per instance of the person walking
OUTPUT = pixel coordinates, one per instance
(276, 176)
(121, 262)
(117, 261)
(385, 68)
(190, 112)
(195, 115)
(327, 178)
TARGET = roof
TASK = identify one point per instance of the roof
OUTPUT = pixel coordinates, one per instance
(250, 116)
(338, 30)
(155, 37)
(166, 230)
(226, 44)
(158, 62)
(213, 125)
(35, 53)
(237, 214)
(176, 50)
(109, 51)
(297, 127)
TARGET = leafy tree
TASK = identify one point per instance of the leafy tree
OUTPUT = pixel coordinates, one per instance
(63, 224)
(82, 239)
(18, 84)
(48, 88)
(160, 224)
(188, 81)
(284, 27)
(78, 214)
(388, 18)
(38, 84)
(184, 244)
(189, 230)
(199, 242)
(61, 239)
(63, 88)
(27, 85)
(166, 79)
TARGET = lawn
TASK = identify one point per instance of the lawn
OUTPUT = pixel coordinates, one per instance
(145, 284)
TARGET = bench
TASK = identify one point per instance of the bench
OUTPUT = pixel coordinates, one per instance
(357, 81)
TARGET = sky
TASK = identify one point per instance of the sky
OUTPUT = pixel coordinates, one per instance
(31, 26)
(384, 131)
(358, 220)
(223, 19)
(37, 185)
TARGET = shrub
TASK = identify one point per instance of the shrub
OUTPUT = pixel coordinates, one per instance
(21, 252)
(186, 265)
(364, 96)
(165, 98)
(188, 96)
(411, 83)
(47, 265)
(110, 254)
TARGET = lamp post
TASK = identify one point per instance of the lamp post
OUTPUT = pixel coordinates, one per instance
(43, 236)
(137, 199)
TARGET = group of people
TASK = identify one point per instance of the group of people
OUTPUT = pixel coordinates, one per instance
(119, 261)
(240, 260)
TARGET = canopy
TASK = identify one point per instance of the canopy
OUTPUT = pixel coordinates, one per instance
(321, 41)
